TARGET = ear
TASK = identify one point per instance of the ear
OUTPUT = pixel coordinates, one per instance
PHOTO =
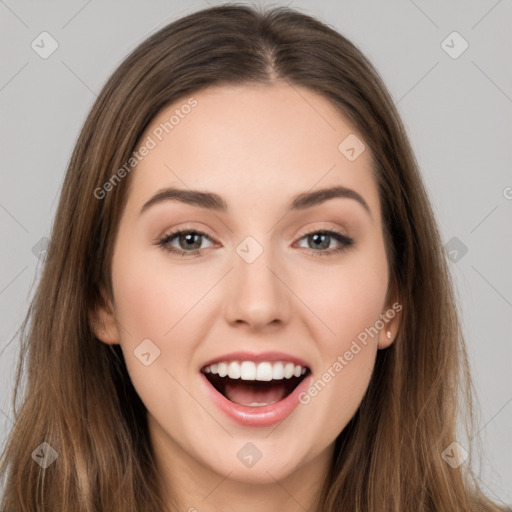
(391, 317)
(103, 322)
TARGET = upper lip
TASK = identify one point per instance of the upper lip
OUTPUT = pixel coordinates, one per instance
(257, 358)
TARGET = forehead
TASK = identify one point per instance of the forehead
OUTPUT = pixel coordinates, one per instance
(252, 143)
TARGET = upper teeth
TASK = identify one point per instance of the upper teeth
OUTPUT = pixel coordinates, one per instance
(248, 370)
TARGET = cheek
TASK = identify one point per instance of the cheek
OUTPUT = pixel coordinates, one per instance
(166, 304)
(347, 361)
(151, 298)
(153, 303)
(348, 298)
(148, 306)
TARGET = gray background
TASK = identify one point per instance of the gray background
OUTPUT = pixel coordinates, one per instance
(456, 110)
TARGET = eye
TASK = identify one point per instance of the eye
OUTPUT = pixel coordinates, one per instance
(189, 242)
(319, 242)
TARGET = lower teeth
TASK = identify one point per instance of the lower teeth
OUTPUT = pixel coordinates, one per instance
(259, 404)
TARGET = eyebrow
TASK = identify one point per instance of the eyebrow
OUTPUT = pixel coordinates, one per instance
(212, 201)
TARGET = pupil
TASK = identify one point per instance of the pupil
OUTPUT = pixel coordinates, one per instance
(316, 237)
(189, 237)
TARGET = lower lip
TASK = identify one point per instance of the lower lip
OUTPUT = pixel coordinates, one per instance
(264, 416)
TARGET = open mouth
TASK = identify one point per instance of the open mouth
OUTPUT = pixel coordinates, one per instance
(255, 384)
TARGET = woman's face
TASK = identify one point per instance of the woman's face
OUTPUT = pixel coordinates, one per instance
(259, 285)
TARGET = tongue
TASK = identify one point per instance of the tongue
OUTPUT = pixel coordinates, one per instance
(245, 393)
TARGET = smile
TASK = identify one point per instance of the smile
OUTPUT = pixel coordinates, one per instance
(256, 393)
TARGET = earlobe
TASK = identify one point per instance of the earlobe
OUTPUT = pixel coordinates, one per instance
(386, 337)
(392, 316)
(103, 323)
(386, 340)
(108, 335)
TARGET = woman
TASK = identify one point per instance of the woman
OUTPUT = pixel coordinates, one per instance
(245, 302)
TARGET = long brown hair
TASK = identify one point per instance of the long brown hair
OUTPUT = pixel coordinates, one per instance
(78, 396)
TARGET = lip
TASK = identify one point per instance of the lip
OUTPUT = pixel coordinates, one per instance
(265, 416)
(258, 358)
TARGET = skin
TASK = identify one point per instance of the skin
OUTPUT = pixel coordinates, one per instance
(253, 145)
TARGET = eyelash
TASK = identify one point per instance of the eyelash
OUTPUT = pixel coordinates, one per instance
(344, 240)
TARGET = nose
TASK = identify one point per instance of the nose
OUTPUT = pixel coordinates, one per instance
(256, 293)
